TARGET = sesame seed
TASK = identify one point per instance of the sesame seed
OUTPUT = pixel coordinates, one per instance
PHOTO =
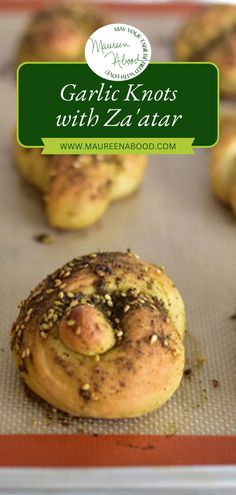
(117, 320)
(123, 294)
(93, 255)
(153, 339)
(165, 343)
(70, 294)
(97, 358)
(110, 303)
(44, 326)
(127, 307)
(73, 303)
(27, 318)
(61, 294)
(23, 355)
(43, 335)
(86, 386)
(57, 282)
(119, 333)
(62, 286)
(30, 310)
(58, 303)
(77, 164)
(70, 322)
(67, 274)
(27, 352)
(55, 317)
(85, 159)
(175, 352)
(49, 291)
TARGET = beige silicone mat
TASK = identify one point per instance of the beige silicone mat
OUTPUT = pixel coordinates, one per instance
(173, 220)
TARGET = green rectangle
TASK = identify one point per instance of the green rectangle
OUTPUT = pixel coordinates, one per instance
(161, 92)
(106, 146)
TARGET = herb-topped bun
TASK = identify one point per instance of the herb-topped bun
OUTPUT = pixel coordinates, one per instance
(102, 337)
(78, 189)
(223, 162)
(210, 36)
(59, 33)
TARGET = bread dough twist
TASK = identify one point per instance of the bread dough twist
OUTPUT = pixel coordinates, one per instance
(102, 337)
(223, 162)
(78, 189)
(210, 36)
(59, 33)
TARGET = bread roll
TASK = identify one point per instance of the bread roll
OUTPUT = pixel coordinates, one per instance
(59, 33)
(77, 189)
(102, 337)
(223, 162)
(210, 36)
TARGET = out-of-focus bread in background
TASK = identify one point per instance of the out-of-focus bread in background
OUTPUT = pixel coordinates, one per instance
(59, 32)
(210, 35)
(223, 162)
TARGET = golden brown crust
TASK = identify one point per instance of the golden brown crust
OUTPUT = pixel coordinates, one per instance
(211, 36)
(223, 162)
(78, 189)
(59, 33)
(129, 310)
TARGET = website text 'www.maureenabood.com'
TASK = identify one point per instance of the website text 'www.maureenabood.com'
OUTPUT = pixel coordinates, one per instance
(116, 146)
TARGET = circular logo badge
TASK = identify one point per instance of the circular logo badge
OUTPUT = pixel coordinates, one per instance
(118, 52)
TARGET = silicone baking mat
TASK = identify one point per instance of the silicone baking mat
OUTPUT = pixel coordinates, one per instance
(174, 221)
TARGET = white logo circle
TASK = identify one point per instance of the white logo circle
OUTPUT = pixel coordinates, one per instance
(118, 52)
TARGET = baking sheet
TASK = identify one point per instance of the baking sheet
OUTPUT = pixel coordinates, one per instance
(174, 221)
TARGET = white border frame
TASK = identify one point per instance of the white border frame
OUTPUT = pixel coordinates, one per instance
(177, 480)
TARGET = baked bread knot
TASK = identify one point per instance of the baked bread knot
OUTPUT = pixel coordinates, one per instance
(59, 33)
(78, 189)
(223, 162)
(210, 36)
(102, 337)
